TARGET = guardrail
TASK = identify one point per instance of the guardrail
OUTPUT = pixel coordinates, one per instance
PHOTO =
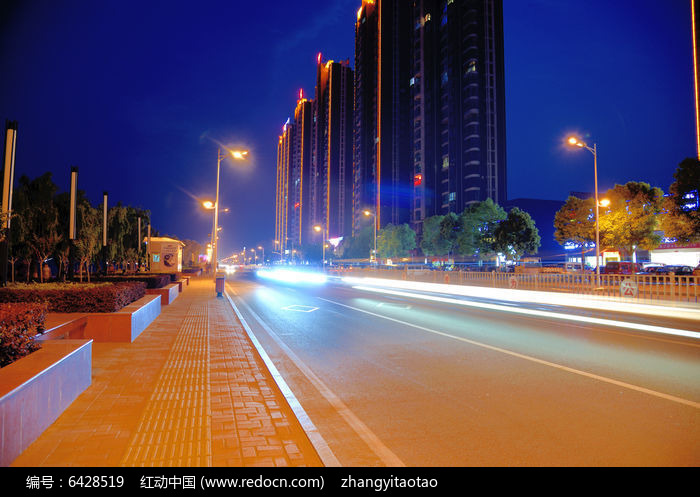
(668, 288)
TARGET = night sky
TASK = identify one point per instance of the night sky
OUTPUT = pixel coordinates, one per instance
(138, 95)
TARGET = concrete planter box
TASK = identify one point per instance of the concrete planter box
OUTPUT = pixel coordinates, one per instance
(36, 389)
(122, 326)
(167, 294)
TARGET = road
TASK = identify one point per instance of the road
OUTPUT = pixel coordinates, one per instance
(401, 380)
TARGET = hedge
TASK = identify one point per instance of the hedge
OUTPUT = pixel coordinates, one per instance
(19, 323)
(151, 280)
(77, 297)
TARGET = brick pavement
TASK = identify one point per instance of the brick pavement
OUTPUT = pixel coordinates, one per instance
(190, 391)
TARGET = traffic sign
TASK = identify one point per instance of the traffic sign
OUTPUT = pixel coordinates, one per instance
(628, 288)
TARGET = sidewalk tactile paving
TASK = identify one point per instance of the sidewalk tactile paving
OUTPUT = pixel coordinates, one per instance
(190, 391)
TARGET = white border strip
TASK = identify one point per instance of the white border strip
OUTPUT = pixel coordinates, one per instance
(318, 442)
(363, 431)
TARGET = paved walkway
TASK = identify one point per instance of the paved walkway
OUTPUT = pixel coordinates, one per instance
(190, 391)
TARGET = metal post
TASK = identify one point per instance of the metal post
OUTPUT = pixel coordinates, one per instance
(214, 235)
(8, 182)
(597, 216)
(104, 231)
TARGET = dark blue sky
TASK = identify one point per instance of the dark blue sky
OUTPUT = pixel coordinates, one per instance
(137, 94)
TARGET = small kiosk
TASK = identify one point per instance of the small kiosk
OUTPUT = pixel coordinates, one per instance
(165, 255)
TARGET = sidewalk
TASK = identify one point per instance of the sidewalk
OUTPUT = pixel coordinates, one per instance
(190, 391)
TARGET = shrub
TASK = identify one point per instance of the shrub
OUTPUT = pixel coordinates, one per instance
(151, 280)
(77, 297)
(19, 323)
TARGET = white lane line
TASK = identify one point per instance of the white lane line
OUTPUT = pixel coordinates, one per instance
(300, 308)
(375, 444)
(629, 386)
(315, 437)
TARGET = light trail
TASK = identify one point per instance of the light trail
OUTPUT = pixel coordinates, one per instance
(537, 313)
(529, 296)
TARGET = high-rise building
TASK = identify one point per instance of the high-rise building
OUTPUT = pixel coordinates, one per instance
(382, 155)
(331, 190)
(293, 223)
(284, 186)
(458, 88)
(695, 17)
(429, 108)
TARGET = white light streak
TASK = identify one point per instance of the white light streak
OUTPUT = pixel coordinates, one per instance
(292, 276)
(529, 296)
(537, 313)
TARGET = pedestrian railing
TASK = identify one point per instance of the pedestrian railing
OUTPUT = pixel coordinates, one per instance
(641, 288)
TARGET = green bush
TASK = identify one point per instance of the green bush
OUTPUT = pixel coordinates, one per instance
(104, 297)
(151, 280)
(19, 323)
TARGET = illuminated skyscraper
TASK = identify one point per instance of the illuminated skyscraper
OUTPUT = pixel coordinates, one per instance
(292, 214)
(331, 201)
(382, 155)
(695, 15)
(282, 192)
(429, 108)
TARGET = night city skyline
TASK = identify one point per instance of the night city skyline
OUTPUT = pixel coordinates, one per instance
(139, 98)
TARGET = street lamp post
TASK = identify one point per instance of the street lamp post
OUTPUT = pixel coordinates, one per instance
(578, 143)
(374, 222)
(318, 228)
(236, 154)
(263, 253)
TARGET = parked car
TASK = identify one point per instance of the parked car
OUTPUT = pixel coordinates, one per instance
(677, 270)
(621, 267)
(651, 269)
(696, 271)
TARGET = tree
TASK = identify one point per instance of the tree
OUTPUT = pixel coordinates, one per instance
(87, 243)
(680, 217)
(358, 246)
(39, 225)
(516, 235)
(395, 241)
(478, 223)
(430, 243)
(574, 223)
(630, 220)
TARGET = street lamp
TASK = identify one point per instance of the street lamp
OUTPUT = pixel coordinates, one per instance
(236, 154)
(369, 213)
(575, 142)
(263, 253)
(318, 228)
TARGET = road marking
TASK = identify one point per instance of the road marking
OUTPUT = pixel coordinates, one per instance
(315, 437)
(300, 308)
(629, 386)
(375, 444)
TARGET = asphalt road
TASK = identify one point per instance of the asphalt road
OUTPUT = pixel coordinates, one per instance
(399, 380)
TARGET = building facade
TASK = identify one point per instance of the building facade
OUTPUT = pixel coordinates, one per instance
(458, 90)
(383, 169)
(332, 158)
(429, 108)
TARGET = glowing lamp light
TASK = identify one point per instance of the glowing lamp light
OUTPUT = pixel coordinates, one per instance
(208, 204)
